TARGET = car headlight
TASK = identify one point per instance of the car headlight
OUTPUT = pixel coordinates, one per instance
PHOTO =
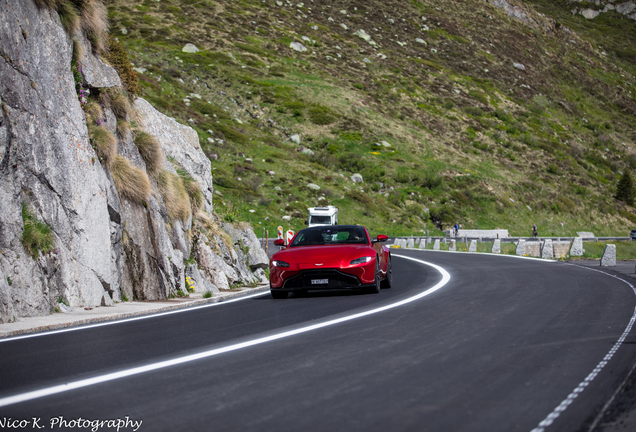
(361, 260)
(280, 264)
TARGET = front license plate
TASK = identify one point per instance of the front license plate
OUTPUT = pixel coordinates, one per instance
(319, 281)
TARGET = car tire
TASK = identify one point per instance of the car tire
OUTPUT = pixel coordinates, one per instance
(278, 294)
(375, 289)
(388, 280)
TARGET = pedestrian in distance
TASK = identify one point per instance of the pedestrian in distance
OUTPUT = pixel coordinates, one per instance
(535, 233)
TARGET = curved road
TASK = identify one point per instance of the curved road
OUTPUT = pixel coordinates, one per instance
(499, 347)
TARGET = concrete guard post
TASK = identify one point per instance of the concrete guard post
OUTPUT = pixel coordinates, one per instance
(403, 243)
(521, 248)
(473, 246)
(577, 247)
(436, 245)
(452, 246)
(609, 256)
(496, 246)
(423, 244)
(410, 243)
(547, 250)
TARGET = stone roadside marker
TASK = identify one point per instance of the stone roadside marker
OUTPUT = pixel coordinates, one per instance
(423, 244)
(577, 247)
(410, 243)
(521, 248)
(473, 246)
(609, 256)
(452, 246)
(436, 245)
(496, 246)
(547, 250)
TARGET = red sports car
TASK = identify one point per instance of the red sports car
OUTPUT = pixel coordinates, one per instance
(330, 257)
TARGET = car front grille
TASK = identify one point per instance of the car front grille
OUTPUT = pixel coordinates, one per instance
(337, 279)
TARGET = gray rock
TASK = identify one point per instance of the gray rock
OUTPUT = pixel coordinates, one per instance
(64, 309)
(473, 246)
(363, 35)
(452, 246)
(297, 46)
(97, 74)
(577, 247)
(313, 186)
(181, 143)
(519, 66)
(357, 178)
(609, 256)
(585, 234)
(295, 139)
(547, 250)
(385, 144)
(244, 238)
(307, 152)
(106, 300)
(261, 276)
(410, 243)
(496, 246)
(521, 248)
(590, 13)
(420, 41)
(201, 284)
(6, 305)
(190, 48)
(212, 266)
(436, 245)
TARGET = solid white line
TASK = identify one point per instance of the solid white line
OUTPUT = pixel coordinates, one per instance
(579, 389)
(482, 253)
(125, 320)
(23, 397)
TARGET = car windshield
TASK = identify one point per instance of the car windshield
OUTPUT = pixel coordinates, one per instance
(320, 220)
(330, 235)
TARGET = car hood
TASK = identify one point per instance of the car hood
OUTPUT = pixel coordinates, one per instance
(329, 256)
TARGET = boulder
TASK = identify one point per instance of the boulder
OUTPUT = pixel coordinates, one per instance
(297, 46)
(609, 256)
(190, 48)
(295, 139)
(244, 239)
(313, 186)
(201, 284)
(357, 178)
(519, 66)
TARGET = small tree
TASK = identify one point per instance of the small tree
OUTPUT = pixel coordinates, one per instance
(625, 189)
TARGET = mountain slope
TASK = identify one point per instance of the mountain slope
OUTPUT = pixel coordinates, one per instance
(496, 115)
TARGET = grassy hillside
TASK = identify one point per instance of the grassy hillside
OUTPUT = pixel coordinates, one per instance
(486, 120)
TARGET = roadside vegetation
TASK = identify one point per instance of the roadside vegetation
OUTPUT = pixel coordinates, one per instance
(37, 236)
(469, 117)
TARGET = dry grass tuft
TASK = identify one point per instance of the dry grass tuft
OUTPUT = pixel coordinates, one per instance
(93, 111)
(119, 103)
(174, 195)
(150, 151)
(131, 182)
(69, 16)
(211, 228)
(95, 24)
(192, 187)
(105, 144)
(123, 127)
(50, 4)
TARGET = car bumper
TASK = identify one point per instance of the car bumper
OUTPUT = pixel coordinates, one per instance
(354, 277)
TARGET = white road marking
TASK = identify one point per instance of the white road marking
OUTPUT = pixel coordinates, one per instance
(107, 323)
(579, 389)
(28, 396)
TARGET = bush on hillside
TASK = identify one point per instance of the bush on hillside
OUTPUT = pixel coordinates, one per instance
(625, 189)
(117, 56)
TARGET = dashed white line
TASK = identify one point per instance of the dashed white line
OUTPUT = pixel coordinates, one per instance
(579, 389)
(49, 391)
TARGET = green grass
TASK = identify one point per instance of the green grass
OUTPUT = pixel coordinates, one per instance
(625, 250)
(37, 236)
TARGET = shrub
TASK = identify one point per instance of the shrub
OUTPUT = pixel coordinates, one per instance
(174, 194)
(403, 177)
(625, 189)
(150, 151)
(321, 115)
(104, 143)
(553, 169)
(207, 294)
(351, 162)
(37, 236)
(373, 173)
(131, 182)
(117, 56)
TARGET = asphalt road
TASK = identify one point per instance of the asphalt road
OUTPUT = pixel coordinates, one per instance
(498, 348)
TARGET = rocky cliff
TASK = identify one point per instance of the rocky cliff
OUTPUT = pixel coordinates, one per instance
(104, 243)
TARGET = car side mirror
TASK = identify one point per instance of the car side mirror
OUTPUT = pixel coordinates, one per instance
(279, 242)
(381, 238)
